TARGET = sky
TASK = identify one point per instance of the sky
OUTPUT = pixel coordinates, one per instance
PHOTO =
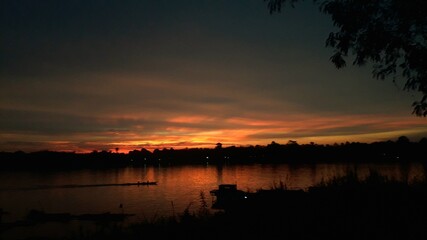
(90, 75)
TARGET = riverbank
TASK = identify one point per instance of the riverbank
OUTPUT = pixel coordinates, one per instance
(342, 208)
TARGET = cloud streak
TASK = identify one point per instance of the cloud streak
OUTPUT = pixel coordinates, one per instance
(93, 75)
(180, 131)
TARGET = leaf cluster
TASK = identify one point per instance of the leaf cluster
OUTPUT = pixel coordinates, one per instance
(389, 34)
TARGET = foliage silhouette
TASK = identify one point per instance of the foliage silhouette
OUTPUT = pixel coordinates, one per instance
(390, 34)
(402, 150)
(347, 207)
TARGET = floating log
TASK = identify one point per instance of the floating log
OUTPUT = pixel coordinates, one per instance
(36, 216)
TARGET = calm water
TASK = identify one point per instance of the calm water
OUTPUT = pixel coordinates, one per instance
(180, 185)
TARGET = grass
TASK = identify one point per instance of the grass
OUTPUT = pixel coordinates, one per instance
(343, 208)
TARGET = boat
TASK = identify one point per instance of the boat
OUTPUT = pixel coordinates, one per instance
(227, 195)
(146, 183)
(93, 185)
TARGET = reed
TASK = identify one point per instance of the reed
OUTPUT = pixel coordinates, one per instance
(347, 207)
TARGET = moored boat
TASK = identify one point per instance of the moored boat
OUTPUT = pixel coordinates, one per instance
(227, 195)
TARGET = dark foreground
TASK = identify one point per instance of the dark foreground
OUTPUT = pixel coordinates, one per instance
(345, 208)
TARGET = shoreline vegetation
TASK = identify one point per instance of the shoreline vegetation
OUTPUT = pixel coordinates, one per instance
(342, 208)
(345, 207)
(402, 150)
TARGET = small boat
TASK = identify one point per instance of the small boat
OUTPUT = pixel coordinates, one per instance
(92, 185)
(227, 195)
(146, 183)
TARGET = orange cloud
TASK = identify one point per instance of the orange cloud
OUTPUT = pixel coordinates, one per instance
(190, 119)
(188, 131)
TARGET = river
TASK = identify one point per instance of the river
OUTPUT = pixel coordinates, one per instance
(177, 186)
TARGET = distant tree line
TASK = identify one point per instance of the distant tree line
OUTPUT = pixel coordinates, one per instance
(401, 150)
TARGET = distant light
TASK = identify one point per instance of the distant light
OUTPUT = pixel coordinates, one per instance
(207, 157)
(246, 197)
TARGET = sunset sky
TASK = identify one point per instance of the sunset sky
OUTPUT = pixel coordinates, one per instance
(95, 75)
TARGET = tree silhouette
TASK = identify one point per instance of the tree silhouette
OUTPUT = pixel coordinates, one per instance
(390, 34)
(403, 140)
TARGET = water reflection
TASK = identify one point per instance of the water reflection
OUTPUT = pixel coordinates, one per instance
(180, 185)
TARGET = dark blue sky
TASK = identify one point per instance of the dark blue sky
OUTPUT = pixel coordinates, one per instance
(85, 75)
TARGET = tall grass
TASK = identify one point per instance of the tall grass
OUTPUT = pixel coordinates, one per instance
(346, 207)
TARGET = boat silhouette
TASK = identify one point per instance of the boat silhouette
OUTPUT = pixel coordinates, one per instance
(227, 195)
